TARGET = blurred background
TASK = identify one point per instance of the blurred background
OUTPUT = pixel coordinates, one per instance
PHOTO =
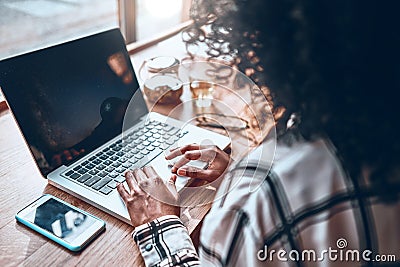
(27, 25)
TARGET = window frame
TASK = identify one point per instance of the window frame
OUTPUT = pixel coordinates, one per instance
(127, 21)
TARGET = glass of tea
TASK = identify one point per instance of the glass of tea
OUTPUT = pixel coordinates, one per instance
(202, 92)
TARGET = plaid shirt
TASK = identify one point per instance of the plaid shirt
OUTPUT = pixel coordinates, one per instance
(306, 212)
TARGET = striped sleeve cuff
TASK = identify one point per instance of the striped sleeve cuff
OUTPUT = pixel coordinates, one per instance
(162, 240)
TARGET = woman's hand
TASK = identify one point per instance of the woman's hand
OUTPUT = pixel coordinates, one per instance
(217, 160)
(146, 190)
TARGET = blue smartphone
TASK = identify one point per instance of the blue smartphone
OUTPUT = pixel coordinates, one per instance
(61, 222)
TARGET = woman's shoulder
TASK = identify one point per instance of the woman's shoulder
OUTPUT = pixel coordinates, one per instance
(299, 156)
(306, 158)
(303, 172)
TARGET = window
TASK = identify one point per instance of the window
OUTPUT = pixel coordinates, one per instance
(143, 19)
(28, 25)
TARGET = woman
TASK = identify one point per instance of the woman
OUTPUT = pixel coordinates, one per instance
(331, 69)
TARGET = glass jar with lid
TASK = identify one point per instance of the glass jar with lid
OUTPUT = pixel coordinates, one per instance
(163, 89)
(165, 65)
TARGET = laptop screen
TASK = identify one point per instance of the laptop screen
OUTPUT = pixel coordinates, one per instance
(70, 98)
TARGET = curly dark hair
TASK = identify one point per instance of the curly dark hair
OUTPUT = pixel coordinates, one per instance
(335, 64)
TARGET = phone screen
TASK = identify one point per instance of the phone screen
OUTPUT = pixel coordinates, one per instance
(60, 220)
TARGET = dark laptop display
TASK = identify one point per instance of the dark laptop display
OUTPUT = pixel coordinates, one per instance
(70, 98)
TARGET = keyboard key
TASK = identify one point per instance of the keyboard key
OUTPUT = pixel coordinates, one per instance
(75, 175)
(131, 146)
(103, 157)
(120, 154)
(97, 155)
(169, 128)
(110, 153)
(90, 166)
(109, 169)
(129, 140)
(96, 161)
(106, 190)
(93, 172)
(114, 158)
(84, 178)
(123, 159)
(150, 148)
(134, 151)
(145, 152)
(92, 180)
(113, 184)
(107, 162)
(164, 147)
(166, 135)
(138, 156)
(170, 141)
(120, 169)
(93, 158)
(106, 149)
(133, 161)
(140, 147)
(129, 155)
(157, 136)
(100, 167)
(127, 165)
(146, 143)
(119, 179)
(156, 144)
(148, 134)
(69, 173)
(85, 163)
(100, 183)
(83, 171)
(102, 174)
(155, 130)
(113, 174)
(77, 168)
(116, 164)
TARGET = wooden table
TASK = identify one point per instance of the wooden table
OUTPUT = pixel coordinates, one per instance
(21, 183)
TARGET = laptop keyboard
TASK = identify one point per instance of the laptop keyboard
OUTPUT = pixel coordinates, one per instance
(103, 171)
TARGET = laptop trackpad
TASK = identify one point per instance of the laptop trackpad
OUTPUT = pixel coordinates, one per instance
(161, 166)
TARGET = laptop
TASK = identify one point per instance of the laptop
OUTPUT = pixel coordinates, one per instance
(70, 101)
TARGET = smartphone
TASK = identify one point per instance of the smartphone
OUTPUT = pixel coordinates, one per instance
(61, 222)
